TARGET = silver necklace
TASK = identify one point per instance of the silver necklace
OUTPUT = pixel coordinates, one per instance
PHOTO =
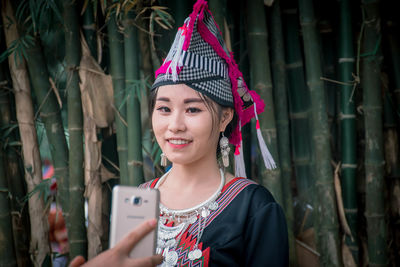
(168, 237)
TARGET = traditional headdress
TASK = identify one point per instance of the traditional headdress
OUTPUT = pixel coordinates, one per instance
(199, 58)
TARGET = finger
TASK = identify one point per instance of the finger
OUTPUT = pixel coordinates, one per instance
(129, 241)
(148, 261)
(77, 261)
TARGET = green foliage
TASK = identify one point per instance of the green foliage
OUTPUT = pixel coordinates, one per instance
(135, 89)
(18, 47)
(43, 189)
(37, 15)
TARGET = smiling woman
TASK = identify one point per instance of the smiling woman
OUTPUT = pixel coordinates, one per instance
(200, 101)
(183, 125)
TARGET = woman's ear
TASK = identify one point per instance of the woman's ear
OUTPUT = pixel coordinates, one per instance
(227, 115)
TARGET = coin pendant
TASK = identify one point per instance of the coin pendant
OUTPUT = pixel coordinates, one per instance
(192, 219)
(197, 254)
(172, 258)
(205, 213)
(213, 205)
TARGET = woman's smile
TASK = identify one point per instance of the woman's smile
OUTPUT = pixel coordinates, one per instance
(183, 125)
(178, 143)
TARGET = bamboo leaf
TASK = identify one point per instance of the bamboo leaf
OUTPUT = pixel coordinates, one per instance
(55, 9)
(9, 128)
(14, 143)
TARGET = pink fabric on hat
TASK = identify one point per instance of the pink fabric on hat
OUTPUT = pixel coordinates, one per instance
(197, 9)
(234, 73)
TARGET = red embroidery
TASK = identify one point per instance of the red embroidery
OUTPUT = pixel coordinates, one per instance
(185, 245)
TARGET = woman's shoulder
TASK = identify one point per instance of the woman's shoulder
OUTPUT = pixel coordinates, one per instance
(249, 191)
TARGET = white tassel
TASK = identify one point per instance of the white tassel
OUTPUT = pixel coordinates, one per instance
(267, 157)
(240, 168)
(175, 55)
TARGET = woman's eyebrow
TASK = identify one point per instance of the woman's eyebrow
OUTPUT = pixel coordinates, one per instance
(165, 99)
(193, 100)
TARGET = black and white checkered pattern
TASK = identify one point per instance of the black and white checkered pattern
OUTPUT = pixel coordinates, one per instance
(203, 70)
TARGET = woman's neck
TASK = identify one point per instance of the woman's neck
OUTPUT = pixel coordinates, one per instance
(199, 174)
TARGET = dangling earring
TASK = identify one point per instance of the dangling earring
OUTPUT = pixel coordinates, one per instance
(163, 160)
(224, 146)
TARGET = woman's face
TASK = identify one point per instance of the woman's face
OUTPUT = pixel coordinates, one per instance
(183, 125)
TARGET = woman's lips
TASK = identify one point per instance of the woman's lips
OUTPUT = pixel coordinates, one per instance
(178, 143)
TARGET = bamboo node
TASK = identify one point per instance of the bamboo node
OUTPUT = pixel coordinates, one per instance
(349, 166)
(135, 163)
(346, 60)
(89, 26)
(346, 116)
(294, 65)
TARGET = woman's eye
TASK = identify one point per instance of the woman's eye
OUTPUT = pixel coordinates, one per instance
(193, 110)
(164, 109)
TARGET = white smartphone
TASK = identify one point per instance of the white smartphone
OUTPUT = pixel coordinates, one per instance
(130, 207)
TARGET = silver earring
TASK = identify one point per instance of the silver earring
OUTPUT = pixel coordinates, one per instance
(224, 146)
(163, 160)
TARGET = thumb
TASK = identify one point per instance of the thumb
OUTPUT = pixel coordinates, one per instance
(77, 261)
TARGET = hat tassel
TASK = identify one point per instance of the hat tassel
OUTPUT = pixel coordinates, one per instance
(267, 157)
(240, 169)
(177, 58)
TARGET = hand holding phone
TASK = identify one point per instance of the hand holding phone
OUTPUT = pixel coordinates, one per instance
(119, 255)
(131, 206)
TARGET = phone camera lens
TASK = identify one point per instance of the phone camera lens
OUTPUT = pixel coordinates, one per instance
(136, 200)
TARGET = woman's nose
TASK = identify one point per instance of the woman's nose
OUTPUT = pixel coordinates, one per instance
(177, 122)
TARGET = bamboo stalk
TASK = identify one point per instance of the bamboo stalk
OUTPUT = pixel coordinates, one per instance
(16, 183)
(326, 220)
(135, 158)
(372, 106)
(282, 119)
(219, 11)
(391, 135)
(348, 144)
(89, 30)
(93, 81)
(117, 70)
(243, 62)
(50, 114)
(261, 81)
(77, 230)
(299, 108)
(39, 246)
(7, 252)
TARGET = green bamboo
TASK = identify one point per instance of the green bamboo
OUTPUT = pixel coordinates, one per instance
(77, 230)
(50, 114)
(391, 137)
(328, 58)
(394, 52)
(135, 158)
(347, 118)
(372, 106)
(89, 28)
(39, 246)
(7, 252)
(7, 246)
(326, 219)
(16, 183)
(117, 70)
(299, 108)
(243, 62)
(219, 11)
(260, 75)
(282, 120)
